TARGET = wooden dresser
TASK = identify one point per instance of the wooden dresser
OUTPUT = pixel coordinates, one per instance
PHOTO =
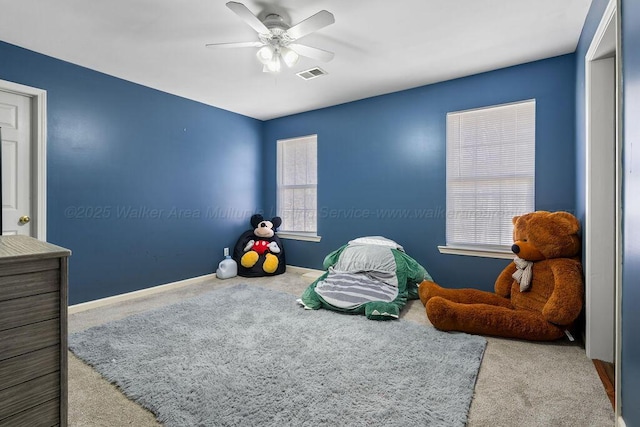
(33, 332)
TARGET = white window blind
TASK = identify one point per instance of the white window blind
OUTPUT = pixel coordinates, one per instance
(297, 184)
(490, 173)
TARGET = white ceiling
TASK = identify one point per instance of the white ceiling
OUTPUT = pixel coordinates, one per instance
(380, 46)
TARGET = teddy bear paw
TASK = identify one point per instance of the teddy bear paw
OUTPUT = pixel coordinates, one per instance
(426, 290)
(442, 314)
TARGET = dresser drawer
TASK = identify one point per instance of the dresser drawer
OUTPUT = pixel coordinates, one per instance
(12, 268)
(29, 394)
(25, 367)
(24, 311)
(27, 284)
(17, 341)
(45, 415)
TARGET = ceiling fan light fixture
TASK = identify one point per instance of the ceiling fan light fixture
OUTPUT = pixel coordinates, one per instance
(289, 56)
(266, 54)
(276, 35)
(274, 65)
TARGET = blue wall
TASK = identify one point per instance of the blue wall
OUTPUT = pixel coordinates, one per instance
(630, 384)
(127, 166)
(386, 156)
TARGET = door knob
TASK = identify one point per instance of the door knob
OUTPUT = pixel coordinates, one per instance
(24, 219)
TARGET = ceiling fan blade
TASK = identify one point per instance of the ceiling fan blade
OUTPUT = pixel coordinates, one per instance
(236, 44)
(311, 24)
(248, 17)
(311, 52)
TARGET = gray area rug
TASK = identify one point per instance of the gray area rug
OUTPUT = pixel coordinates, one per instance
(249, 356)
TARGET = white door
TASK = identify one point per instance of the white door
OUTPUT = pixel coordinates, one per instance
(15, 121)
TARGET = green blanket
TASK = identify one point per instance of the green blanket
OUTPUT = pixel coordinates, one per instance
(370, 275)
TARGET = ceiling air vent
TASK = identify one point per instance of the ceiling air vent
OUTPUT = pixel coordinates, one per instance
(311, 73)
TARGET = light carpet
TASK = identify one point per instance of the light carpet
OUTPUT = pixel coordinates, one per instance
(249, 356)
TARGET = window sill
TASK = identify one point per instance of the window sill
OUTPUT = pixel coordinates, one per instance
(498, 252)
(299, 236)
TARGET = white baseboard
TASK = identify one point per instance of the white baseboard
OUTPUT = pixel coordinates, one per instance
(76, 308)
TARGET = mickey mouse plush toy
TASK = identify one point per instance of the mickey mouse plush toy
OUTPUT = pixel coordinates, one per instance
(259, 252)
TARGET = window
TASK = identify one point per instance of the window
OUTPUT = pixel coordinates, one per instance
(490, 176)
(297, 187)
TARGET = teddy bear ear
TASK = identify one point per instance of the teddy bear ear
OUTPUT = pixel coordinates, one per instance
(256, 219)
(276, 221)
(514, 220)
(569, 221)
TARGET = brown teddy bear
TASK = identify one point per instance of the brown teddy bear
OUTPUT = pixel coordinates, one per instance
(538, 296)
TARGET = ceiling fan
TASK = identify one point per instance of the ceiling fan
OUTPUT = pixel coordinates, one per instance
(277, 39)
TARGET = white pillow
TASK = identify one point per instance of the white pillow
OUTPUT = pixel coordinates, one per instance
(376, 240)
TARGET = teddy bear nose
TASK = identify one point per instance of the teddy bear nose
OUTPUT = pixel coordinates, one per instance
(515, 249)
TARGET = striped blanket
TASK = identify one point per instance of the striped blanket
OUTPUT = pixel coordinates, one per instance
(350, 290)
(363, 273)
